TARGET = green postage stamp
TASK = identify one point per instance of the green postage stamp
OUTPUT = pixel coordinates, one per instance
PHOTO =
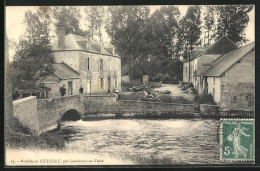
(237, 139)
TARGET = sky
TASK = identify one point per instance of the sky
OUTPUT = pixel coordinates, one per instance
(15, 17)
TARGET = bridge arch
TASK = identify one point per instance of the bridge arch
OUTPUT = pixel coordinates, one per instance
(71, 115)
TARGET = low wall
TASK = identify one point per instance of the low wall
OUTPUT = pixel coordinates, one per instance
(128, 106)
(99, 104)
(207, 109)
(26, 112)
(109, 104)
(153, 84)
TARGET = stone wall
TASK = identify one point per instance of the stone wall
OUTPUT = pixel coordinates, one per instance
(41, 115)
(50, 111)
(238, 85)
(153, 84)
(207, 109)
(109, 104)
(94, 104)
(128, 106)
(26, 112)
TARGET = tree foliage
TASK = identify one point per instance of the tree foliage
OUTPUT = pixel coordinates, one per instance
(209, 21)
(232, 21)
(95, 19)
(190, 30)
(33, 58)
(126, 31)
(69, 17)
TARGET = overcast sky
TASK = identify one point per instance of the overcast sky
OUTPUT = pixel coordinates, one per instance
(15, 17)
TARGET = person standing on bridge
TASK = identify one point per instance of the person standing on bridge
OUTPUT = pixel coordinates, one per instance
(81, 90)
(62, 90)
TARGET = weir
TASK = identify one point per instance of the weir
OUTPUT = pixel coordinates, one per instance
(41, 115)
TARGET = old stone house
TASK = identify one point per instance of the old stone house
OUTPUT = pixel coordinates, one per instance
(81, 62)
(203, 56)
(231, 79)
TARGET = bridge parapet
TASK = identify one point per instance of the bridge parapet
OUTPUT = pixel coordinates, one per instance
(50, 111)
(26, 112)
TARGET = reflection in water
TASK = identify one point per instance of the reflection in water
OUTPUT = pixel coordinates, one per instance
(191, 141)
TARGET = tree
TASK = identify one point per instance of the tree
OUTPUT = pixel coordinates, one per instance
(162, 42)
(232, 21)
(68, 17)
(209, 20)
(126, 31)
(95, 17)
(9, 114)
(33, 58)
(193, 26)
(190, 31)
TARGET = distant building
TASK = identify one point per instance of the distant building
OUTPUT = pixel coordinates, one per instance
(231, 79)
(201, 57)
(224, 71)
(80, 62)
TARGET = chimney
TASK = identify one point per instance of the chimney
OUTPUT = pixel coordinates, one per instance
(61, 37)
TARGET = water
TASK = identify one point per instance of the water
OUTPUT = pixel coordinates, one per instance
(174, 141)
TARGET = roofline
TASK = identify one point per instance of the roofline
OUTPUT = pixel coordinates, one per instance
(212, 45)
(231, 65)
(65, 78)
(69, 67)
(85, 51)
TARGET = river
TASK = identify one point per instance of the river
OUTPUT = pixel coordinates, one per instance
(146, 141)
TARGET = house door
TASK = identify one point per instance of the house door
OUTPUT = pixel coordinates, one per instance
(88, 87)
(109, 83)
(70, 88)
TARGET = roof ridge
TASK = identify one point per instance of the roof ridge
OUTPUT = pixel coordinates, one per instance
(212, 45)
(226, 58)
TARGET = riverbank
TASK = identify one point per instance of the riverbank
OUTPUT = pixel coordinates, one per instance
(22, 137)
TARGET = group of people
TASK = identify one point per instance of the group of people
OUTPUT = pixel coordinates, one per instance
(63, 90)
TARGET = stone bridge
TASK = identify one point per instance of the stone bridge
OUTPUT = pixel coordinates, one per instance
(41, 115)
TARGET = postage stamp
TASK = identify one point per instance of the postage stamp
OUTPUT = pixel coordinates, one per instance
(237, 139)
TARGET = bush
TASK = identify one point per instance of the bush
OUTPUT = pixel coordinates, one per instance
(207, 99)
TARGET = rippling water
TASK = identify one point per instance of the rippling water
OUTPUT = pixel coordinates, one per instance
(182, 141)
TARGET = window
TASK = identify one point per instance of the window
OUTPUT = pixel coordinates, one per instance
(102, 83)
(101, 64)
(214, 80)
(87, 63)
(115, 81)
(213, 92)
(186, 70)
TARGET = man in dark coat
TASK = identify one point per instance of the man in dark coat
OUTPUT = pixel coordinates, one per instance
(62, 90)
(80, 90)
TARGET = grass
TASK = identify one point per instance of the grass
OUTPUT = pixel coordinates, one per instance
(21, 137)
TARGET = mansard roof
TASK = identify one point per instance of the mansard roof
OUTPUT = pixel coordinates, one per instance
(76, 42)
